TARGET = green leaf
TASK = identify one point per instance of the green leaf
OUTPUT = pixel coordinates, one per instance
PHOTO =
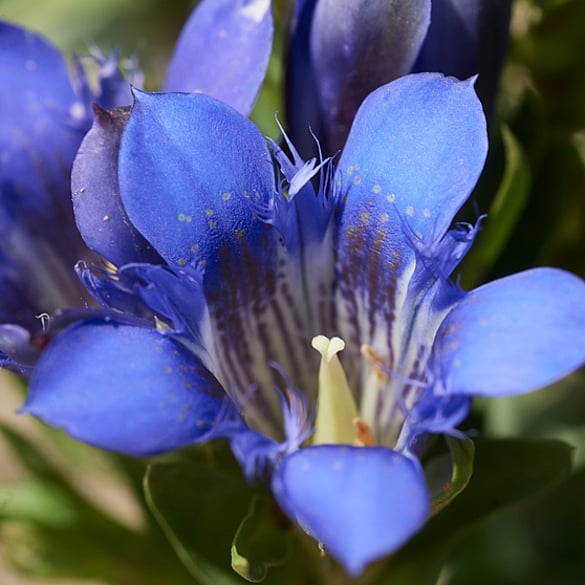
(214, 519)
(506, 473)
(260, 541)
(504, 214)
(199, 502)
(53, 477)
(449, 474)
(34, 502)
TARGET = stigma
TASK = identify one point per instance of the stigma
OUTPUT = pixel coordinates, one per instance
(337, 421)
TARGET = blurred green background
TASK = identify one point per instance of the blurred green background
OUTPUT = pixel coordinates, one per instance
(540, 221)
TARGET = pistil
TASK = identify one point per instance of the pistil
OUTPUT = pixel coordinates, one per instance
(336, 407)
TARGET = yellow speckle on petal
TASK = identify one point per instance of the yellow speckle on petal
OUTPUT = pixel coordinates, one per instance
(391, 197)
(376, 189)
(410, 210)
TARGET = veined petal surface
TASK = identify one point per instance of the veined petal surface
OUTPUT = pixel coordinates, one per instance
(197, 180)
(415, 151)
(223, 51)
(360, 503)
(124, 388)
(512, 335)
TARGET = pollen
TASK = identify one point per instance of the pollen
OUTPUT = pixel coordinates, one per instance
(410, 211)
(363, 433)
(391, 197)
(160, 326)
(226, 196)
(376, 362)
(376, 189)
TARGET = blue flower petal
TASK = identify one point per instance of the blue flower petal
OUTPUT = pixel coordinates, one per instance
(360, 503)
(99, 212)
(42, 126)
(115, 89)
(194, 175)
(197, 180)
(43, 122)
(145, 293)
(223, 51)
(124, 388)
(356, 47)
(16, 350)
(301, 93)
(468, 37)
(414, 153)
(512, 335)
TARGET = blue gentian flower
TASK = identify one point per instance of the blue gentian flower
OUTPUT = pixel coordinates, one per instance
(341, 50)
(45, 112)
(318, 329)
